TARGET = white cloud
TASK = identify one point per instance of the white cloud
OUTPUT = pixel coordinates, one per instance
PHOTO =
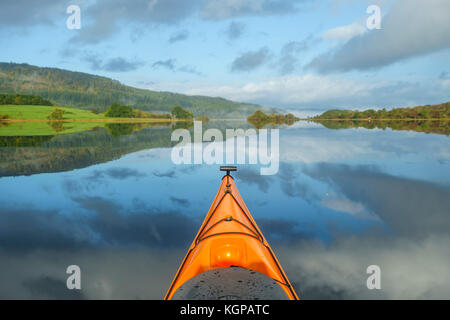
(310, 148)
(289, 89)
(307, 149)
(344, 33)
(344, 205)
(353, 208)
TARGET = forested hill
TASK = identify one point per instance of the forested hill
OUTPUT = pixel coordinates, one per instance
(88, 91)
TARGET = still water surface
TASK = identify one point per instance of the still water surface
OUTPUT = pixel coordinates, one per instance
(118, 207)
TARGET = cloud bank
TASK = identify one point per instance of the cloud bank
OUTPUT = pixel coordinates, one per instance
(324, 91)
(412, 28)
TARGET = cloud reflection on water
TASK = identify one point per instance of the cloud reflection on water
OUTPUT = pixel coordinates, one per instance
(339, 203)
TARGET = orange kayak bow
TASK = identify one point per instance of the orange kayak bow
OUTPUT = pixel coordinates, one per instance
(229, 239)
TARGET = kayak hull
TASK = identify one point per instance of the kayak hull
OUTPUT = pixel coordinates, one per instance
(230, 238)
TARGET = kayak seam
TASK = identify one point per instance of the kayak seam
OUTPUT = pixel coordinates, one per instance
(260, 236)
(230, 232)
(225, 219)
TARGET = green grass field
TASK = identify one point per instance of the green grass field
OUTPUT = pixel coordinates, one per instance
(44, 128)
(26, 120)
(42, 112)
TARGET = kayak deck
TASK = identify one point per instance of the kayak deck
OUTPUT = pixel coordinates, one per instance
(230, 284)
(229, 237)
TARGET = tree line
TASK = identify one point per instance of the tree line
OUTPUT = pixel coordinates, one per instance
(259, 119)
(439, 111)
(123, 111)
(23, 99)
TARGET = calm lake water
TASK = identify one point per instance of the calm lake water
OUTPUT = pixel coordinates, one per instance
(117, 206)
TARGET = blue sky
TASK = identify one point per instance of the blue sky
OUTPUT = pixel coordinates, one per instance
(292, 54)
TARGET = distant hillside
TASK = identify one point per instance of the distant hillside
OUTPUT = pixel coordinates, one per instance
(88, 91)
